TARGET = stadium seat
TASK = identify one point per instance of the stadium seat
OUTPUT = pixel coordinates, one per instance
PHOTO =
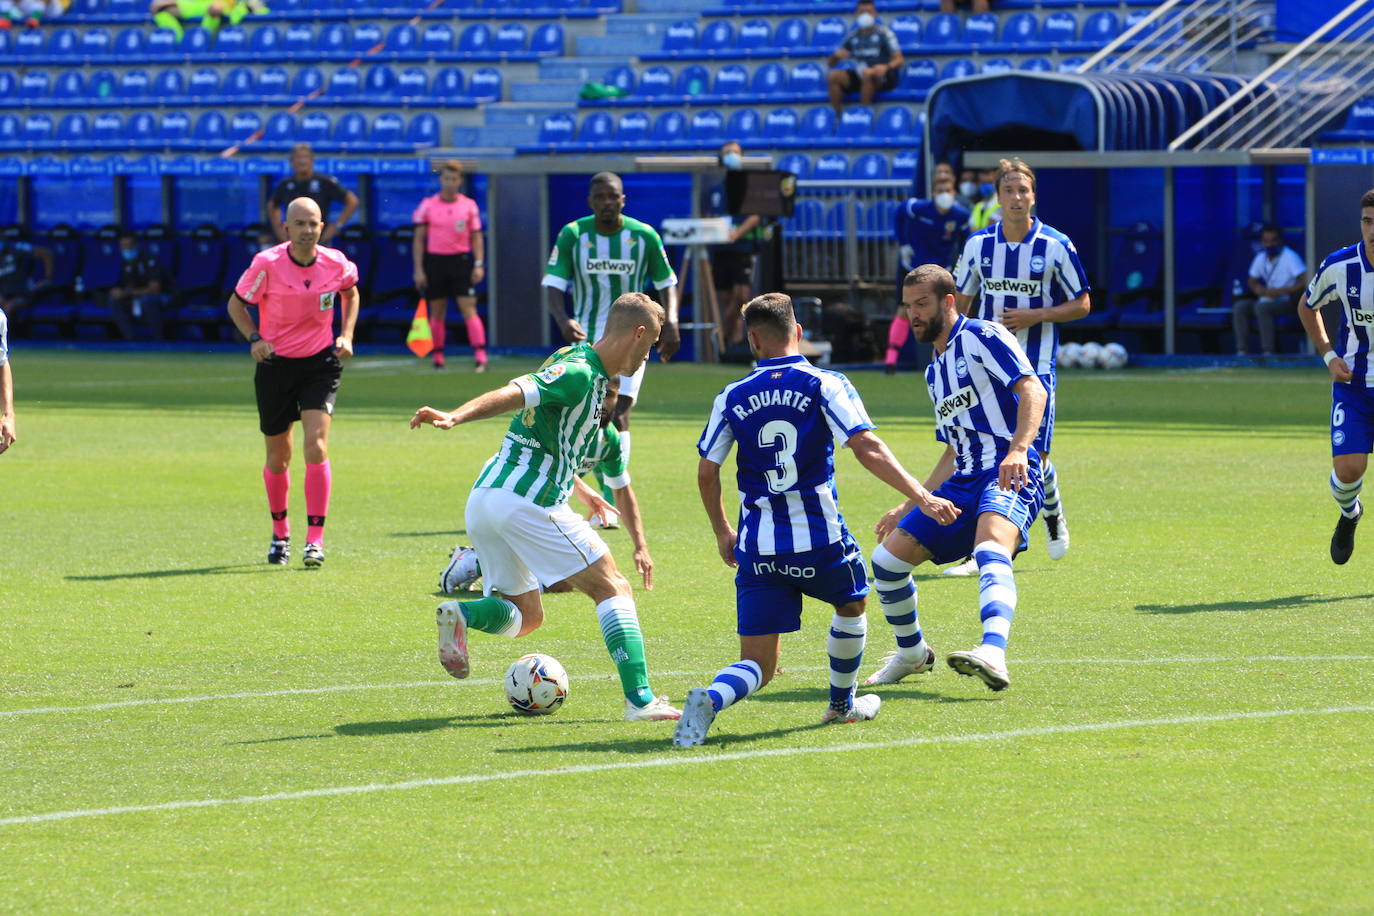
(240, 85)
(168, 84)
(95, 44)
(1020, 30)
(231, 43)
(350, 132)
(100, 258)
(656, 81)
(9, 132)
(806, 79)
(243, 125)
(204, 85)
(870, 167)
(162, 44)
(133, 85)
(908, 31)
(475, 40)
(356, 241)
(140, 131)
(412, 83)
(197, 42)
(306, 81)
(346, 84)
(1037, 65)
(211, 130)
(790, 34)
(828, 33)
(716, 37)
(9, 86)
(298, 40)
(379, 83)
(780, 124)
(693, 80)
(558, 128)
(769, 79)
(266, 41)
(510, 38)
(68, 86)
(998, 65)
(107, 130)
(597, 130)
(366, 36)
(680, 36)
(1060, 28)
(622, 78)
(817, 123)
(128, 44)
(484, 85)
(403, 40)
(980, 29)
(437, 39)
(73, 131)
(174, 129)
(1071, 64)
(388, 132)
(448, 84)
(280, 131)
(831, 167)
(548, 40)
(101, 85)
(670, 127)
(62, 44)
(706, 126)
(314, 127)
(200, 265)
(633, 127)
(332, 42)
(754, 35)
(959, 67)
(918, 76)
(37, 84)
(731, 80)
(856, 121)
(904, 164)
(274, 86)
(798, 164)
(895, 123)
(744, 123)
(28, 43)
(941, 30)
(1100, 28)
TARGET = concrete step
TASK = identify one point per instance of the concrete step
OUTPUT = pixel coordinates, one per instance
(489, 137)
(546, 91)
(578, 68)
(622, 46)
(641, 24)
(679, 9)
(520, 114)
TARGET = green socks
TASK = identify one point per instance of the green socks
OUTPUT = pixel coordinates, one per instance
(493, 615)
(625, 642)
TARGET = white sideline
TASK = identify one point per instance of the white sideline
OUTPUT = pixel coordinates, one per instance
(406, 685)
(679, 759)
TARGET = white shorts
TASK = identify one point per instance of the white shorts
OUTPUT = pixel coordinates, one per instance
(523, 546)
(629, 384)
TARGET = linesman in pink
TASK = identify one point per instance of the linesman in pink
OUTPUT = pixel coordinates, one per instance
(448, 252)
(294, 287)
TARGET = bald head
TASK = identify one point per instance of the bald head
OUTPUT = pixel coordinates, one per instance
(303, 222)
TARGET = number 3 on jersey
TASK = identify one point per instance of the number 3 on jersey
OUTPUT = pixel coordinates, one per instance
(782, 436)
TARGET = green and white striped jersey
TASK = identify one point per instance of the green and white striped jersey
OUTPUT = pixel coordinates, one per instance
(607, 457)
(547, 441)
(598, 269)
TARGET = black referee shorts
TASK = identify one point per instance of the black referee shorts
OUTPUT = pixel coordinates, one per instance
(731, 267)
(285, 386)
(449, 275)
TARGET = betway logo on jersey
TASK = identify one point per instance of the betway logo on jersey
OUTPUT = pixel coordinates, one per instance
(1363, 317)
(608, 266)
(958, 402)
(1009, 287)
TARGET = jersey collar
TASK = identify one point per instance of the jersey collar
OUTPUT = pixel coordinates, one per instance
(1364, 258)
(954, 329)
(594, 358)
(1030, 236)
(782, 361)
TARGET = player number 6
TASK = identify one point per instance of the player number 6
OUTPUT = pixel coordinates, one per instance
(1338, 416)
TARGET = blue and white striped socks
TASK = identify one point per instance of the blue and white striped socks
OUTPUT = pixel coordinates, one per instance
(1050, 481)
(734, 683)
(1346, 495)
(996, 595)
(897, 593)
(845, 646)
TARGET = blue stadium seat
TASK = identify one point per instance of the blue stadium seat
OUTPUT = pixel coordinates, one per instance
(231, 43)
(280, 131)
(266, 41)
(346, 84)
(1037, 65)
(332, 41)
(896, 123)
(314, 127)
(298, 40)
(744, 123)
(197, 42)
(9, 132)
(36, 84)
(107, 130)
(133, 84)
(1071, 64)
(693, 80)
(243, 125)
(817, 123)
(716, 37)
(856, 121)
(919, 75)
(69, 85)
(510, 38)
(657, 80)
(790, 33)
(448, 83)
(485, 84)
(95, 44)
(63, 44)
(998, 65)
(831, 167)
(558, 128)
(597, 130)
(168, 84)
(388, 131)
(806, 79)
(476, 39)
(204, 84)
(980, 29)
(365, 37)
(350, 131)
(548, 40)
(211, 130)
(1360, 119)
(1020, 30)
(437, 38)
(306, 81)
(780, 124)
(904, 164)
(941, 30)
(28, 43)
(423, 131)
(1059, 28)
(74, 131)
(706, 126)
(274, 86)
(828, 33)
(754, 35)
(174, 129)
(731, 80)
(413, 83)
(622, 78)
(670, 127)
(769, 79)
(240, 85)
(960, 66)
(908, 31)
(403, 40)
(798, 164)
(871, 167)
(162, 44)
(633, 127)
(201, 263)
(100, 258)
(680, 36)
(1100, 28)
(379, 83)
(9, 86)
(806, 219)
(140, 130)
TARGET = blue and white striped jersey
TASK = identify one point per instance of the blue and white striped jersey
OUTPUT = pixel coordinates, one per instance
(1040, 271)
(785, 415)
(1347, 277)
(970, 387)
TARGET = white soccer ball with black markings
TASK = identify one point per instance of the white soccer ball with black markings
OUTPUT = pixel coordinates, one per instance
(536, 684)
(1070, 355)
(1114, 356)
(1090, 357)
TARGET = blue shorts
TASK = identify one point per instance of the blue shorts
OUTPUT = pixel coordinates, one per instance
(769, 589)
(975, 494)
(1352, 419)
(1045, 436)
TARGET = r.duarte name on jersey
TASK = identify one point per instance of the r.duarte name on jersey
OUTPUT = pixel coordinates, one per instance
(770, 397)
(608, 266)
(957, 402)
(1007, 285)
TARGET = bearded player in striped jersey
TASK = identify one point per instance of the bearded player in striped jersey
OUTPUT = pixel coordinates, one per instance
(1027, 276)
(518, 515)
(598, 258)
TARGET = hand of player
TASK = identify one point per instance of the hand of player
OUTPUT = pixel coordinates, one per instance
(572, 331)
(906, 255)
(669, 339)
(436, 418)
(597, 504)
(1020, 319)
(343, 347)
(421, 281)
(7, 435)
(477, 274)
(888, 523)
(1340, 371)
(644, 565)
(725, 544)
(1014, 471)
(262, 351)
(939, 508)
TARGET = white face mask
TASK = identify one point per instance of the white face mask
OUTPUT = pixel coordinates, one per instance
(865, 20)
(944, 200)
(968, 189)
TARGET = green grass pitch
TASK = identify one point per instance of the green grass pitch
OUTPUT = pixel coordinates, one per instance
(184, 729)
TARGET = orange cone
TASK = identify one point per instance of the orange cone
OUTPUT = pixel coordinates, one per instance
(420, 339)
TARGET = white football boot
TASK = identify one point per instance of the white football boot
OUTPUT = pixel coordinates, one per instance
(697, 716)
(895, 668)
(861, 710)
(453, 639)
(657, 711)
(967, 568)
(462, 572)
(982, 664)
(1058, 530)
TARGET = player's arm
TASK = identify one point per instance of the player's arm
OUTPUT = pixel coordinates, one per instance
(708, 483)
(491, 404)
(628, 507)
(1312, 323)
(479, 256)
(744, 228)
(557, 275)
(1014, 471)
(665, 281)
(840, 53)
(238, 313)
(879, 461)
(343, 344)
(350, 202)
(7, 435)
(272, 215)
(1299, 283)
(417, 256)
(1074, 309)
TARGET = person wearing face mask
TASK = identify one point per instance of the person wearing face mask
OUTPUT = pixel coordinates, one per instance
(876, 55)
(1277, 276)
(142, 291)
(732, 265)
(987, 210)
(928, 232)
(966, 191)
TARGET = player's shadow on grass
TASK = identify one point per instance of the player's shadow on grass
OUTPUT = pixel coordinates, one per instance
(1259, 604)
(400, 727)
(238, 569)
(658, 744)
(819, 696)
(458, 532)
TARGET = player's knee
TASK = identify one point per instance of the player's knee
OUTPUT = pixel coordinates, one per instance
(887, 565)
(530, 620)
(621, 585)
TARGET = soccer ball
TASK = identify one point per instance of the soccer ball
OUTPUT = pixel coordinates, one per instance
(1090, 357)
(1070, 355)
(536, 685)
(1114, 356)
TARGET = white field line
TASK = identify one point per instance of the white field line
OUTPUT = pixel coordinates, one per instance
(478, 682)
(374, 366)
(681, 759)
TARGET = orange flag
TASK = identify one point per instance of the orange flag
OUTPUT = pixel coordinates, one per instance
(420, 339)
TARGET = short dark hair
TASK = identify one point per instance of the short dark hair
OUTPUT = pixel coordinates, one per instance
(940, 280)
(451, 165)
(1275, 228)
(770, 313)
(1368, 199)
(1013, 166)
(606, 178)
(128, 234)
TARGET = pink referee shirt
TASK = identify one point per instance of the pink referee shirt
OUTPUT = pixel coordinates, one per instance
(296, 304)
(451, 223)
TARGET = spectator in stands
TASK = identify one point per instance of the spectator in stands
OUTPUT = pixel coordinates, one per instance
(966, 192)
(29, 13)
(987, 210)
(1277, 276)
(449, 252)
(928, 232)
(976, 6)
(142, 291)
(324, 190)
(876, 56)
(732, 265)
(177, 14)
(17, 283)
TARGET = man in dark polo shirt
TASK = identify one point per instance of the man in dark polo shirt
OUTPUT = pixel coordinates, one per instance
(324, 190)
(876, 55)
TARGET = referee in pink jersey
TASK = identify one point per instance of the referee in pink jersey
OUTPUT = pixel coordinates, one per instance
(294, 286)
(448, 253)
